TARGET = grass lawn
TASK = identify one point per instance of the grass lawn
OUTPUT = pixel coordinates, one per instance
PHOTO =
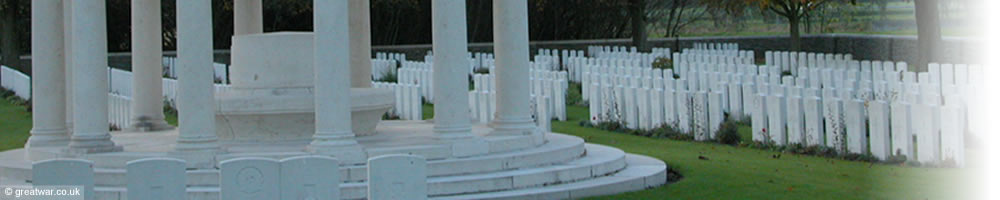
(15, 122)
(730, 172)
(745, 173)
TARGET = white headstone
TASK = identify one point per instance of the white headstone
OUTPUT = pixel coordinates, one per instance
(65, 172)
(776, 119)
(953, 135)
(833, 120)
(735, 100)
(747, 95)
(249, 178)
(700, 109)
(656, 107)
(715, 112)
(928, 140)
(397, 177)
(854, 119)
(156, 178)
(812, 110)
(683, 103)
(309, 177)
(642, 105)
(631, 109)
(947, 74)
(796, 123)
(759, 121)
(878, 126)
(901, 123)
(670, 106)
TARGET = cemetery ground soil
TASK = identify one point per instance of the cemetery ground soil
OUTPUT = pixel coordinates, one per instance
(729, 173)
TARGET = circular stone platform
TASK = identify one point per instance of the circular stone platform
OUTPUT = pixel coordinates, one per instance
(544, 166)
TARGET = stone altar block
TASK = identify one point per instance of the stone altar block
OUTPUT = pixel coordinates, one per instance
(271, 98)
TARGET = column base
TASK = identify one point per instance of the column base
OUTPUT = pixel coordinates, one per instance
(503, 127)
(197, 159)
(350, 154)
(205, 144)
(99, 143)
(48, 138)
(453, 133)
(143, 124)
(89, 150)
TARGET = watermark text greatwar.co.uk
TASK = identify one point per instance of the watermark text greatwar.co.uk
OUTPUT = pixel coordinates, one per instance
(25, 192)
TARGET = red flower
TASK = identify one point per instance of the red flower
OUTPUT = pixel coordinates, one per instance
(764, 130)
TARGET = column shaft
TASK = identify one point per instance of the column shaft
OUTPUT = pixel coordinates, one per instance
(68, 64)
(510, 35)
(451, 113)
(196, 101)
(147, 67)
(48, 75)
(361, 43)
(332, 73)
(90, 79)
(248, 17)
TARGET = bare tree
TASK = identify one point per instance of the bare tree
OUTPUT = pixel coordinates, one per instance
(9, 46)
(928, 33)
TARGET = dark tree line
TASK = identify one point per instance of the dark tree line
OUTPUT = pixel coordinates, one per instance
(393, 21)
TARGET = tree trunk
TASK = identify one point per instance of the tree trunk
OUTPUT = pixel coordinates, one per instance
(638, 14)
(793, 33)
(883, 9)
(9, 33)
(928, 33)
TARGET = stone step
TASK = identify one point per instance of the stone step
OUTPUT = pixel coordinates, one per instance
(559, 149)
(642, 172)
(599, 161)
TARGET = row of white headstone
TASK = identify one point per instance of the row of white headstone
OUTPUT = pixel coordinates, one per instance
(646, 99)
(869, 87)
(550, 86)
(170, 69)
(119, 110)
(408, 101)
(789, 61)
(619, 95)
(383, 68)
(418, 73)
(15, 81)
(687, 59)
(897, 110)
(574, 64)
(301, 177)
(594, 49)
(398, 57)
(645, 59)
(716, 46)
(121, 84)
(477, 60)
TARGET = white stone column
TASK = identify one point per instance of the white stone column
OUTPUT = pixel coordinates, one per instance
(196, 101)
(147, 67)
(248, 17)
(48, 74)
(90, 79)
(331, 69)
(361, 43)
(510, 36)
(451, 110)
(68, 64)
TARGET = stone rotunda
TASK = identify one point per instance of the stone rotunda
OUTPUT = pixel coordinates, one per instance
(300, 93)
